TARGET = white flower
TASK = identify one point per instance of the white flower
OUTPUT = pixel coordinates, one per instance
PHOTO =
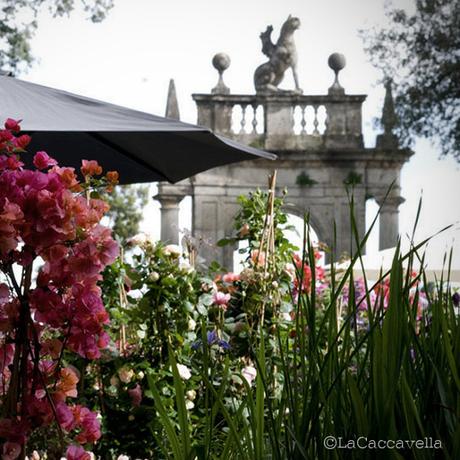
(125, 374)
(122, 457)
(191, 324)
(140, 375)
(154, 276)
(249, 373)
(184, 371)
(189, 404)
(190, 394)
(289, 269)
(185, 267)
(138, 240)
(286, 316)
(173, 250)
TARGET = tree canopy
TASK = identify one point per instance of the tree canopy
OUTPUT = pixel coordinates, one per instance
(18, 23)
(127, 203)
(420, 53)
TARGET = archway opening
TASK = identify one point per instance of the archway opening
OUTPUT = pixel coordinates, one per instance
(294, 232)
(372, 244)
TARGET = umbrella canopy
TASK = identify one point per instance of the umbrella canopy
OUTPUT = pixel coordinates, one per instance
(140, 146)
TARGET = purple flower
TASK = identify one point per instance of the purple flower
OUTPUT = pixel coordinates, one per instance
(212, 339)
(223, 344)
(456, 299)
(196, 345)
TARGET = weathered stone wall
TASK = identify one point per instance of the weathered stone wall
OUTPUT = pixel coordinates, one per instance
(316, 167)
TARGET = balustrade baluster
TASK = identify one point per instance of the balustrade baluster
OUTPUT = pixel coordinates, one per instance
(243, 118)
(254, 118)
(315, 120)
(303, 121)
(326, 120)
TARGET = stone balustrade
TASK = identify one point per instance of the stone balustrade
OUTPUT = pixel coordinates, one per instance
(284, 121)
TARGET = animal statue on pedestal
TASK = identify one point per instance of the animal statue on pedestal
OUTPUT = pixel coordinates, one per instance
(282, 56)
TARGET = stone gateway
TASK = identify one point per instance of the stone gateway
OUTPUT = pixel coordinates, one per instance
(319, 143)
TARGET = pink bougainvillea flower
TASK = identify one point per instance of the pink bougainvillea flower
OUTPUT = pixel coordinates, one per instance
(10, 216)
(42, 215)
(11, 451)
(43, 161)
(13, 162)
(77, 453)
(4, 293)
(13, 125)
(68, 177)
(6, 135)
(52, 347)
(89, 424)
(67, 385)
(90, 168)
(22, 142)
(112, 177)
(65, 416)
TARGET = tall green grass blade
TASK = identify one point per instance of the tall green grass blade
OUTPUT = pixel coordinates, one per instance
(358, 407)
(171, 435)
(182, 412)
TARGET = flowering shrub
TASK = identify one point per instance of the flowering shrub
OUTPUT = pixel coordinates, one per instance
(52, 253)
(262, 363)
(372, 298)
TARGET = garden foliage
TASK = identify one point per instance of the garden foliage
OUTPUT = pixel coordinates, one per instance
(268, 362)
(52, 253)
(209, 364)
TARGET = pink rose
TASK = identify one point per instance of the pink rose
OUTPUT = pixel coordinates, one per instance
(136, 395)
(219, 298)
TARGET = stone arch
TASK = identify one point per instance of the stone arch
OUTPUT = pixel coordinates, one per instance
(315, 222)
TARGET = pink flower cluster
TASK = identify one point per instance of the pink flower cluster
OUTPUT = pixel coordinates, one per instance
(303, 274)
(46, 214)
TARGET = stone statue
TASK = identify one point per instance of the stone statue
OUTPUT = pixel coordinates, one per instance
(281, 56)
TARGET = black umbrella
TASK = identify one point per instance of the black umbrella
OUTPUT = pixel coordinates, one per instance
(140, 146)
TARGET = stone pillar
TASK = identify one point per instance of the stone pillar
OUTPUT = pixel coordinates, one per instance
(169, 217)
(214, 113)
(389, 222)
(279, 121)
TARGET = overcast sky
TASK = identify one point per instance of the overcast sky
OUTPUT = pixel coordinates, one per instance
(129, 58)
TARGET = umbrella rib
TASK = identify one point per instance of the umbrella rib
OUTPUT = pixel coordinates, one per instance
(121, 150)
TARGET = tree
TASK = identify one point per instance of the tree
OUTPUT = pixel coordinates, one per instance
(126, 209)
(18, 23)
(420, 53)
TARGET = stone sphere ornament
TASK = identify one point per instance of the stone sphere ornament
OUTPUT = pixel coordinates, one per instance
(221, 62)
(336, 62)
